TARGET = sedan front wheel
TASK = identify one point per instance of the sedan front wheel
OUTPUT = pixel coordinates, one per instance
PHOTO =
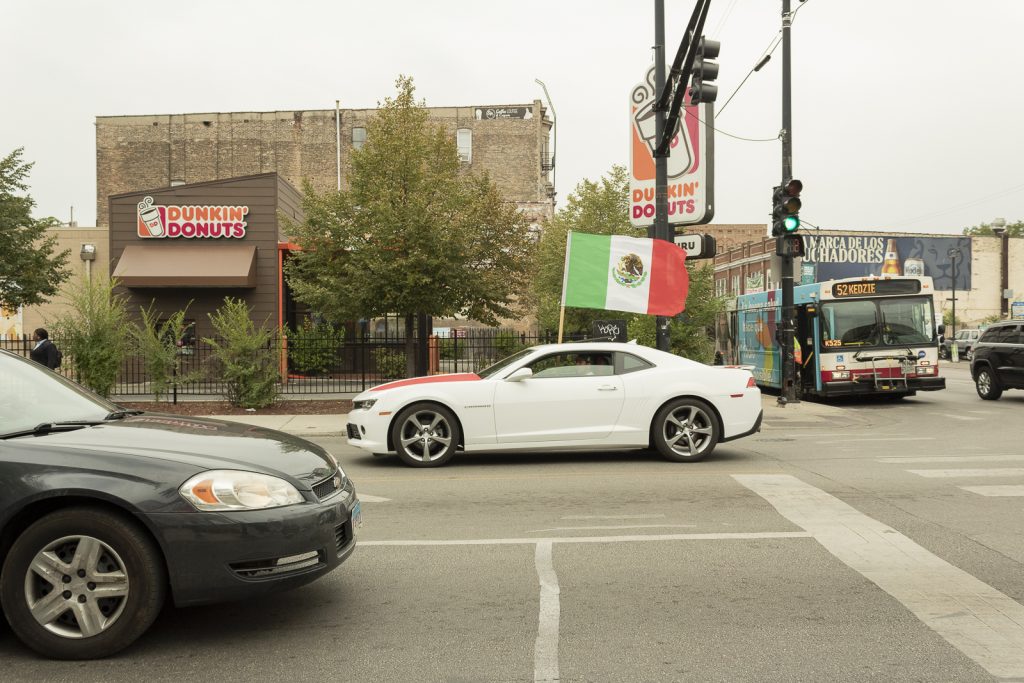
(82, 583)
(685, 430)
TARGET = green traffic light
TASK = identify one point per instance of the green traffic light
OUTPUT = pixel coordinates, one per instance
(791, 223)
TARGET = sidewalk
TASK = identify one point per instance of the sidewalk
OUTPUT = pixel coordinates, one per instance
(804, 413)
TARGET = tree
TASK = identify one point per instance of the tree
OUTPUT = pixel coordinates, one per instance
(156, 340)
(414, 234)
(245, 355)
(93, 333)
(1012, 229)
(602, 208)
(30, 270)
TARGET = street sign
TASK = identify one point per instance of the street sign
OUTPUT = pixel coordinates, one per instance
(697, 246)
(1017, 310)
(691, 175)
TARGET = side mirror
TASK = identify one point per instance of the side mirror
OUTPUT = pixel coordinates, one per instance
(519, 375)
(942, 328)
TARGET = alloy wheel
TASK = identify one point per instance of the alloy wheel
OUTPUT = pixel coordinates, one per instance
(426, 435)
(688, 430)
(76, 587)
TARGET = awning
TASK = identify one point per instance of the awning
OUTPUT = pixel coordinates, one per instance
(187, 265)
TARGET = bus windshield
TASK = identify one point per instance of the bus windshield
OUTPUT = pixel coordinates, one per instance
(878, 322)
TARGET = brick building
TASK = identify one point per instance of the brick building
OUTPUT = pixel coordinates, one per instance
(509, 142)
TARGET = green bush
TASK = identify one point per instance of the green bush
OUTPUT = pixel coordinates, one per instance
(313, 348)
(390, 364)
(450, 350)
(157, 343)
(92, 335)
(245, 355)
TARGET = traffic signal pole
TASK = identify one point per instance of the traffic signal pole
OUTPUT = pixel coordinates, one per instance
(788, 393)
(661, 229)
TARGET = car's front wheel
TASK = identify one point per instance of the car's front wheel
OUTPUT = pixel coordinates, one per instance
(82, 583)
(968, 354)
(685, 430)
(943, 353)
(987, 385)
(425, 435)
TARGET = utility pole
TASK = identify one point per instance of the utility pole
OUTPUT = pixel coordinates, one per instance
(661, 229)
(788, 391)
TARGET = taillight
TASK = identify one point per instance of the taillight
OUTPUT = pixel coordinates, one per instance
(750, 382)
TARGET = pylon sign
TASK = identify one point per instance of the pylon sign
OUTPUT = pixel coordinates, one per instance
(691, 175)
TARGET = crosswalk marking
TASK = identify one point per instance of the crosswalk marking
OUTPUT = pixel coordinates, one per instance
(908, 459)
(960, 417)
(996, 491)
(980, 472)
(983, 623)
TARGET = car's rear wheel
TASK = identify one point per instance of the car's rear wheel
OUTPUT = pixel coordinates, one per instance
(968, 353)
(425, 435)
(987, 385)
(82, 583)
(685, 430)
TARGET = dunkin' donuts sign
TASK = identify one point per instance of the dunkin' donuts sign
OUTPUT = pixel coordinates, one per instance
(191, 221)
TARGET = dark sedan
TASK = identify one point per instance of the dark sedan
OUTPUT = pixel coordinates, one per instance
(104, 513)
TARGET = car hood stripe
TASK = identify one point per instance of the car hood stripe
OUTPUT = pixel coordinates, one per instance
(457, 377)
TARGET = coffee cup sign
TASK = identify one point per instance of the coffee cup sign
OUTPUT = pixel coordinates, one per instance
(610, 330)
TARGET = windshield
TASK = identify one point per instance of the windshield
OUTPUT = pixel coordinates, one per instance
(503, 363)
(880, 322)
(31, 395)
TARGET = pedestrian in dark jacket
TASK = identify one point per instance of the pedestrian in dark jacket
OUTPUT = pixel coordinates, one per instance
(45, 351)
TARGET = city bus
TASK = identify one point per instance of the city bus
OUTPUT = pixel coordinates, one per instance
(863, 336)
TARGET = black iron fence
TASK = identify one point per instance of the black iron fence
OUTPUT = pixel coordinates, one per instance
(320, 365)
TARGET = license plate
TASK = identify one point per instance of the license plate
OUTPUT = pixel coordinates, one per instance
(357, 516)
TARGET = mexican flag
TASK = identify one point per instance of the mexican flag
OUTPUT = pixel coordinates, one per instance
(632, 274)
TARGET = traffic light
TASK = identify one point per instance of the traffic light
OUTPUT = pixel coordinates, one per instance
(790, 245)
(786, 207)
(704, 71)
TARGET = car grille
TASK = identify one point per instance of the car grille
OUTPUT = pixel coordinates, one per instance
(353, 431)
(329, 486)
(342, 535)
(278, 566)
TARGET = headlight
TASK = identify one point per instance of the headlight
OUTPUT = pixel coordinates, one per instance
(365, 404)
(236, 490)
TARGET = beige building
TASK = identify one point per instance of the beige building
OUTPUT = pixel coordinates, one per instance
(89, 257)
(509, 142)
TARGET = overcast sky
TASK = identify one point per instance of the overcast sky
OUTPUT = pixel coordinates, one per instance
(905, 112)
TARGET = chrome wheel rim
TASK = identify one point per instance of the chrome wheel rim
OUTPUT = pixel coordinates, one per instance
(76, 587)
(688, 430)
(426, 435)
(984, 382)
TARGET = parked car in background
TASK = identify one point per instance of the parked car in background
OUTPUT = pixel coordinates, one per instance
(965, 341)
(105, 512)
(578, 396)
(998, 361)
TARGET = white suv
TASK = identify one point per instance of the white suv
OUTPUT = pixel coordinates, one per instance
(964, 340)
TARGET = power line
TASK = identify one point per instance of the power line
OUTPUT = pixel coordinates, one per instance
(738, 137)
(952, 209)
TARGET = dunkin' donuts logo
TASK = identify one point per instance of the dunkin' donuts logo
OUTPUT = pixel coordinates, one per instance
(191, 221)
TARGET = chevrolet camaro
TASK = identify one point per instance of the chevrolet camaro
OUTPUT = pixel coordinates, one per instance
(576, 396)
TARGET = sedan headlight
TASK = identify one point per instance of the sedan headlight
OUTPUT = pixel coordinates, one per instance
(222, 490)
(365, 404)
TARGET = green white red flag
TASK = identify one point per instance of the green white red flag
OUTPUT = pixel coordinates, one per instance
(618, 273)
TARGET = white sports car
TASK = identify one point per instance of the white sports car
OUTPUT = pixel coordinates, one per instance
(579, 396)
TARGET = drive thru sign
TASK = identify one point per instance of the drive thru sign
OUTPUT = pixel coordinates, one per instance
(690, 164)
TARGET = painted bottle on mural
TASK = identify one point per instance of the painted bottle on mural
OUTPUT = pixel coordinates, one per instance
(891, 264)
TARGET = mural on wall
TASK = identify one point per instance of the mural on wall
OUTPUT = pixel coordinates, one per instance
(11, 325)
(841, 256)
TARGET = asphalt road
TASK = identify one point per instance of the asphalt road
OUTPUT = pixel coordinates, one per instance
(859, 541)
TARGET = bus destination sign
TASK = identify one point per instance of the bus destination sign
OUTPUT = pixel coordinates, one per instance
(845, 290)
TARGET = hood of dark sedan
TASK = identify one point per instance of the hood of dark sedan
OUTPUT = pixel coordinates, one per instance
(203, 443)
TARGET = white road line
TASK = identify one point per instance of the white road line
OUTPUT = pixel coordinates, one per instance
(367, 498)
(545, 649)
(979, 472)
(1000, 491)
(978, 620)
(599, 528)
(738, 536)
(960, 417)
(900, 460)
(887, 439)
(577, 517)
